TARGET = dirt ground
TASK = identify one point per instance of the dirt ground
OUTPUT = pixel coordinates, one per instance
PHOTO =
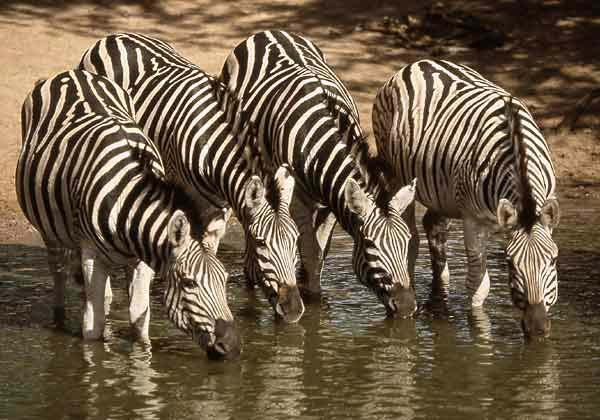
(544, 51)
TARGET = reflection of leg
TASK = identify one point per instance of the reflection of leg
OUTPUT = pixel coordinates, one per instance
(478, 281)
(108, 296)
(436, 227)
(413, 243)
(316, 227)
(482, 327)
(94, 277)
(57, 263)
(139, 300)
(251, 269)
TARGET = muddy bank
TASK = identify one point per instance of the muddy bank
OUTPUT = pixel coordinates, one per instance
(545, 53)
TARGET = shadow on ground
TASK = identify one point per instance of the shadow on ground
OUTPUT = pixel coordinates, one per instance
(541, 39)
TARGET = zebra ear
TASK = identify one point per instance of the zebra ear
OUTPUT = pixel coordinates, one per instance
(356, 198)
(178, 232)
(550, 213)
(254, 194)
(506, 214)
(284, 182)
(404, 197)
(215, 230)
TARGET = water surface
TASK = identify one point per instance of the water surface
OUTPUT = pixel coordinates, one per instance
(342, 360)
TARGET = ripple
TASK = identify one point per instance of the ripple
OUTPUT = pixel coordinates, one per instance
(344, 359)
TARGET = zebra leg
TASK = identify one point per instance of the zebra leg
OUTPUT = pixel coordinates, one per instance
(139, 300)
(316, 227)
(75, 273)
(94, 279)
(478, 281)
(436, 227)
(58, 265)
(413, 243)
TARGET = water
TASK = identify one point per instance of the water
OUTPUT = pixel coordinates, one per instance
(343, 360)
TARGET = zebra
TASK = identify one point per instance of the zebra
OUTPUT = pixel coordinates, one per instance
(480, 157)
(307, 119)
(184, 111)
(89, 180)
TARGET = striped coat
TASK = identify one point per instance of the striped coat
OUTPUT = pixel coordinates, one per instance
(306, 119)
(480, 157)
(89, 179)
(185, 111)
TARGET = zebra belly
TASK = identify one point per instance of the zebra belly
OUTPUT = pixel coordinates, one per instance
(438, 195)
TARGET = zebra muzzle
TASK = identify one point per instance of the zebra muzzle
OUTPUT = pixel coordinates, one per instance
(227, 343)
(401, 302)
(535, 322)
(288, 303)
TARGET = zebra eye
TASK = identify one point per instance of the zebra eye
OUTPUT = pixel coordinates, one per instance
(188, 282)
(260, 241)
(554, 261)
(369, 242)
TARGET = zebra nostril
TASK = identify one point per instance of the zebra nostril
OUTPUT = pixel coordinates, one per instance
(289, 304)
(403, 302)
(279, 309)
(221, 347)
(535, 322)
(227, 341)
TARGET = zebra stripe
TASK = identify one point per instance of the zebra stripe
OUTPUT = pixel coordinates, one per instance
(479, 156)
(307, 119)
(186, 112)
(89, 180)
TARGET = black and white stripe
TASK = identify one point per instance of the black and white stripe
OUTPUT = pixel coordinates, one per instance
(480, 157)
(184, 111)
(306, 119)
(90, 180)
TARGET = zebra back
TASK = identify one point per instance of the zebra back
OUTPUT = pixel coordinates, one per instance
(447, 125)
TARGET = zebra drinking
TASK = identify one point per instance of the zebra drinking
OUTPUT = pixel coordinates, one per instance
(182, 109)
(306, 118)
(481, 158)
(88, 179)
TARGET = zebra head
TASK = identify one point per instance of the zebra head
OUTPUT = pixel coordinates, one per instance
(381, 244)
(271, 244)
(531, 255)
(196, 287)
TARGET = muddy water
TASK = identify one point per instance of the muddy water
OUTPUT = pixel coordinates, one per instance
(343, 360)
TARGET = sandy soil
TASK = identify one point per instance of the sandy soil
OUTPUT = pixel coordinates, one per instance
(549, 57)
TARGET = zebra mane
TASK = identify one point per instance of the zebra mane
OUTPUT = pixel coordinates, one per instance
(527, 215)
(375, 171)
(242, 126)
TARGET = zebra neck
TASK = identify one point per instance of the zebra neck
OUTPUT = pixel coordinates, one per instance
(176, 107)
(146, 220)
(325, 179)
(194, 138)
(501, 182)
(228, 172)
